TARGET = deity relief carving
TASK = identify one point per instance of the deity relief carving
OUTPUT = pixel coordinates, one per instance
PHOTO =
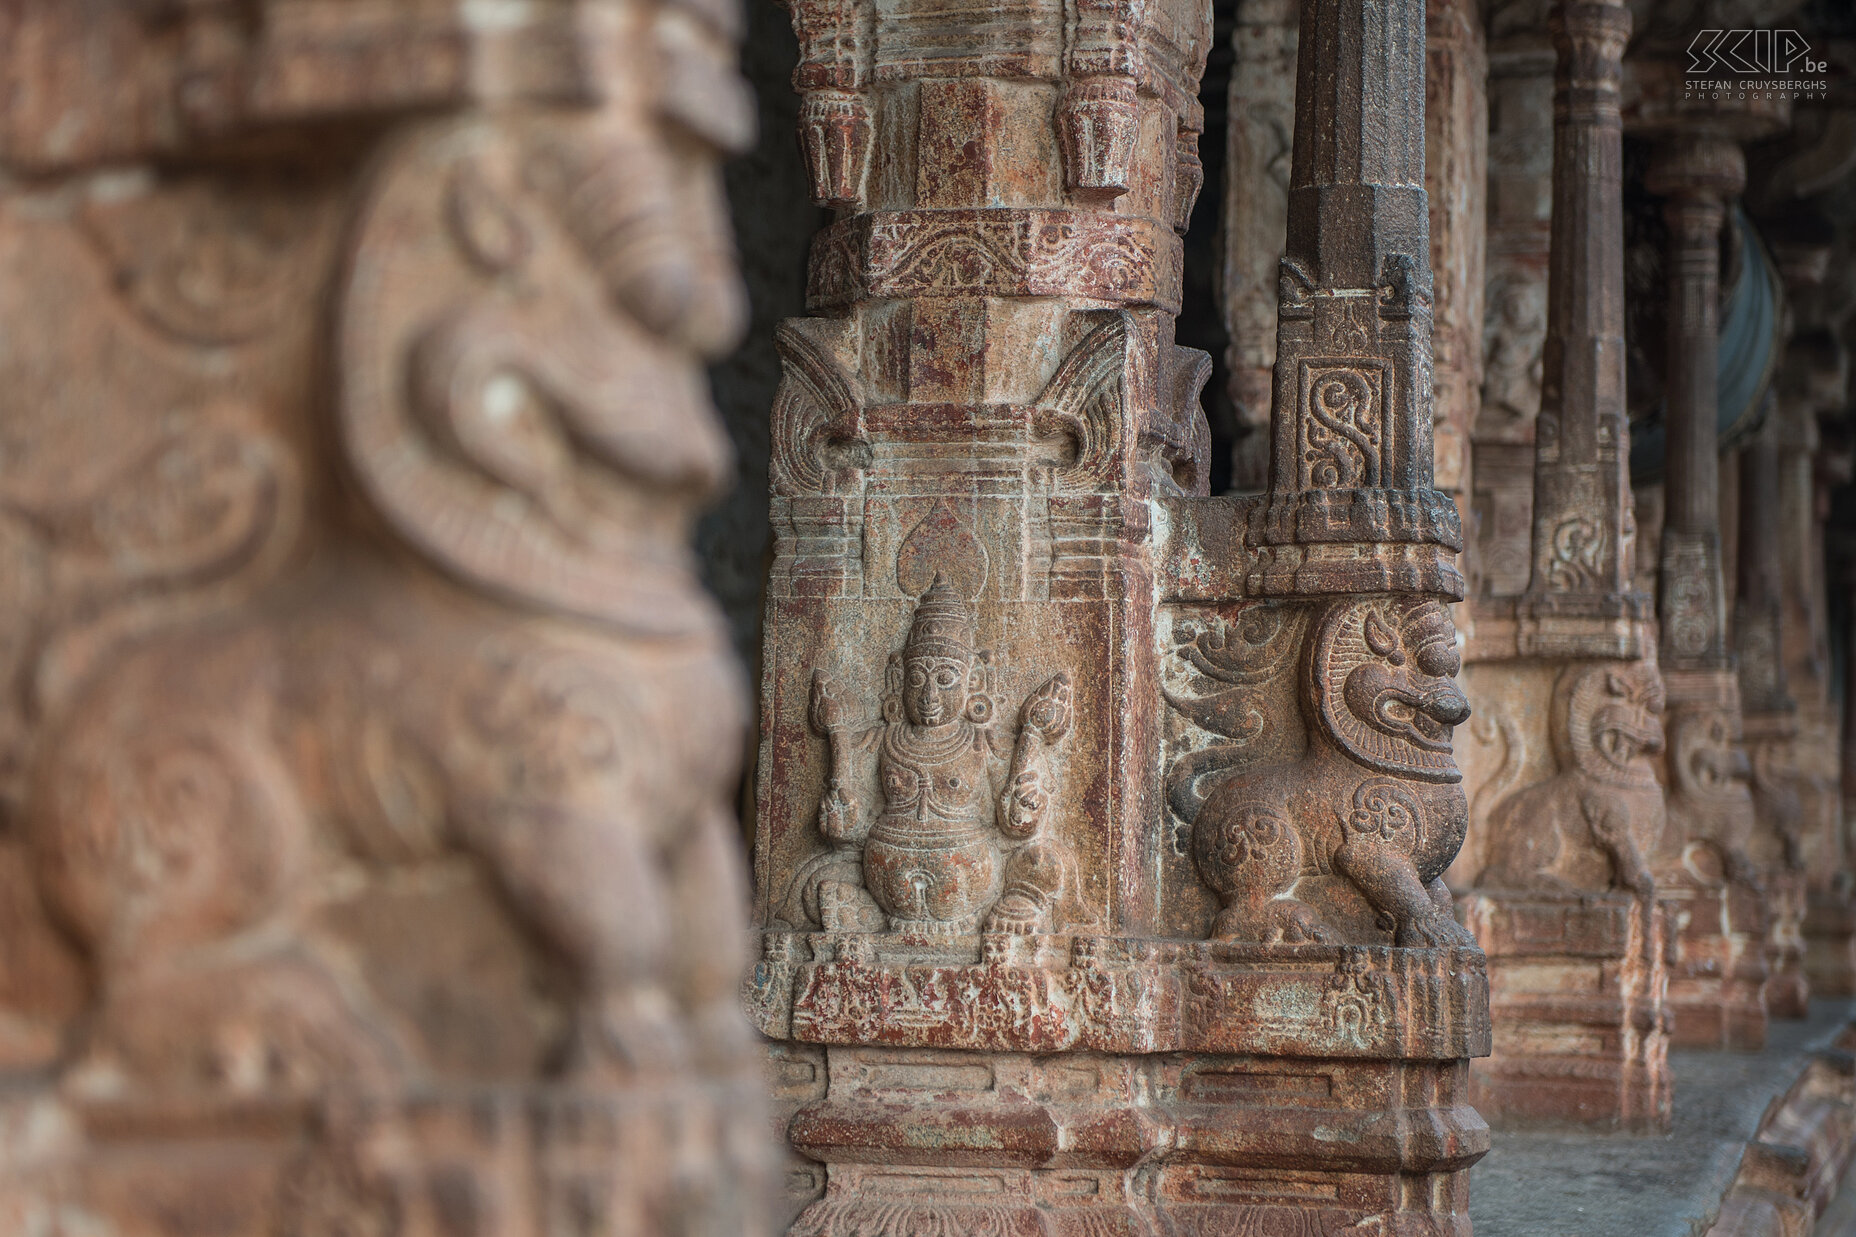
(957, 837)
(1595, 824)
(1349, 842)
(1514, 338)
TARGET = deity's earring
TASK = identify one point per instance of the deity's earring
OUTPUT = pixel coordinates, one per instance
(979, 704)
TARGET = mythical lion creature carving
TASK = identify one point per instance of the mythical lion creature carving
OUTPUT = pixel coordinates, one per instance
(1710, 803)
(1595, 823)
(1374, 811)
(953, 846)
(496, 671)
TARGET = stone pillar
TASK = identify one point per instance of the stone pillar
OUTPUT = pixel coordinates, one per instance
(1771, 720)
(366, 726)
(1099, 885)
(1813, 379)
(1716, 992)
(1456, 128)
(1566, 905)
(1259, 126)
(1519, 199)
(1520, 175)
(1520, 207)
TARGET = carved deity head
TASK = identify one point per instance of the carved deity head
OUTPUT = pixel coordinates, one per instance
(1608, 723)
(940, 671)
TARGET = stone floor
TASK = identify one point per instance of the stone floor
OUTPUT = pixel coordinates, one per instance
(1577, 1184)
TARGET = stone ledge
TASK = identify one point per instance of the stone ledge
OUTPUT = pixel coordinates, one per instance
(1698, 1181)
(1117, 994)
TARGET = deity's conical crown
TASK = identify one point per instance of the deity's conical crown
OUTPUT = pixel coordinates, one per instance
(943, 625)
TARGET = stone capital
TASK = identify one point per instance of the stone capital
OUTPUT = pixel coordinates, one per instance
(1697, 167)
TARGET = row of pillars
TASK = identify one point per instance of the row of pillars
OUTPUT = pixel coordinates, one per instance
(1622, 842)
(1111, 848)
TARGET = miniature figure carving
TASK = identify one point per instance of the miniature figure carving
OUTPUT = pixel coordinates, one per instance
(1376, 804)
(1594, 824)
(947, 845)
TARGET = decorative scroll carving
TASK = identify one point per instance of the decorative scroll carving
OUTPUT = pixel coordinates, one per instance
(1578, 558)
(813, 427)
(1028, 252)
(1342, 422)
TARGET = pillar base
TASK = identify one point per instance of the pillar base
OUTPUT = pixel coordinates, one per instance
(1717, 980)
(1099, 1085)
(1830, 943)
(919, 1140)
(1576, 996)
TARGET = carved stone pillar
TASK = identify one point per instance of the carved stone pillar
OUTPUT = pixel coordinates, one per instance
(1456, 128)
(1813, 379)
(1520, 204)
(367, 731)
(1565, 894)
(1100, 821)
(1771, 720)
(1259, 126)
(1716, 992)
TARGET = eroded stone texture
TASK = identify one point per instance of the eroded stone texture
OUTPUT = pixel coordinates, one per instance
(369, 743)
(1101, 823)
(1571, 817)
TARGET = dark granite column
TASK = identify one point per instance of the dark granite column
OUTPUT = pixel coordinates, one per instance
(1580, 600)
(1716, 991)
